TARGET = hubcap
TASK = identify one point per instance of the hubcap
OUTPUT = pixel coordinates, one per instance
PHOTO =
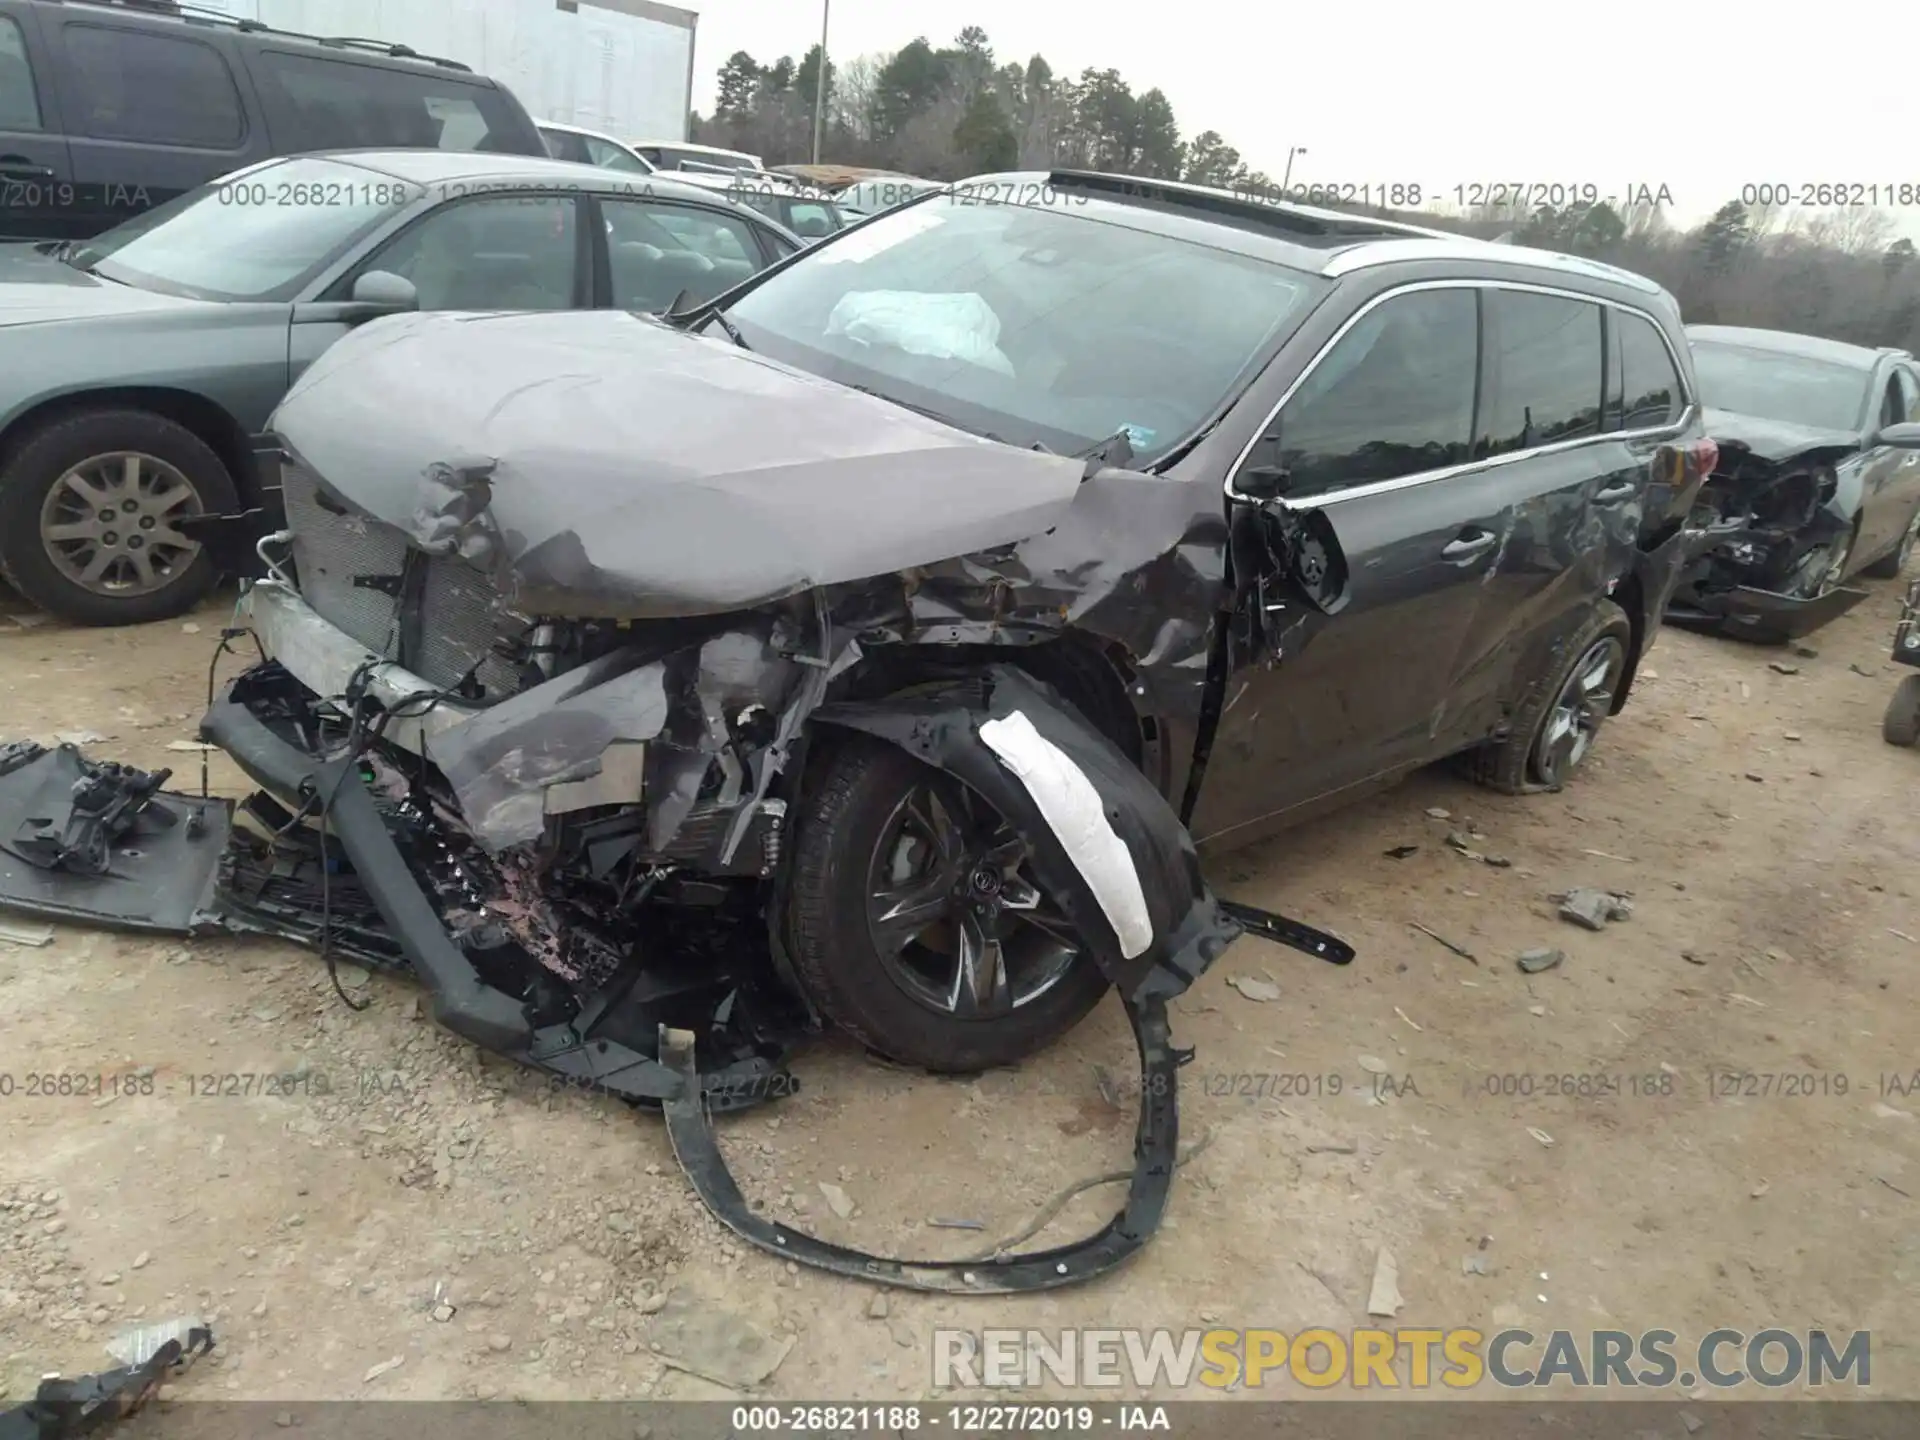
(108, 523)
(1577, 714)
(956, 920)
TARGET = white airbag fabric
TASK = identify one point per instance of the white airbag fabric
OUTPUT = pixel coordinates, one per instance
(1074, 812)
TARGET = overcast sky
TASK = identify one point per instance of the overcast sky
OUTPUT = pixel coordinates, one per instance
(1703, 97)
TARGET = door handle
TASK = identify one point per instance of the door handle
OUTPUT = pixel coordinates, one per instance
(1468, 545)
(1614, 494)
(19, 167)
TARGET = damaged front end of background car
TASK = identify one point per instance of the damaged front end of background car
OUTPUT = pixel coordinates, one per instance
(651, 751)
(1776, 520)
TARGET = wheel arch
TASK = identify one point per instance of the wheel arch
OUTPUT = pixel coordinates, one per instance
(1631, 596)
(210, 421)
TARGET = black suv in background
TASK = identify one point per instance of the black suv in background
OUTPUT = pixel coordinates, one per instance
(108, 109)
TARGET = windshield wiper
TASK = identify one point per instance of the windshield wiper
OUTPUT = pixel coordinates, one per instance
(680, 320)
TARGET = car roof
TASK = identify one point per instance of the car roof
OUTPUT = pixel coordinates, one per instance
(247, 28)
(427, 167)
(689, 146)
(1786, 342)
(1330, 243)
(759, 179)
(577, 130)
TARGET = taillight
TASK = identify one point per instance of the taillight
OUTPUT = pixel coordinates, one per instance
(1684, 467)
(1702, 458)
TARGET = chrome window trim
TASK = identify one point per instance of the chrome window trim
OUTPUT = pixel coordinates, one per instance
(1424, 477)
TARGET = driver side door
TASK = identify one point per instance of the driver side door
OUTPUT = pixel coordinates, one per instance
(1890, 475)
(1375, 433)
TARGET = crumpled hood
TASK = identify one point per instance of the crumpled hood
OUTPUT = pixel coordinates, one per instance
(605, 464)
(1776, 441)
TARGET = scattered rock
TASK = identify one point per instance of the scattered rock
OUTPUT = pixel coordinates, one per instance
(1260, 991)
(1534, 961)
(1474, 1265)
(1789, 734)
(877, 1307)
(1540, 1135)
(1884, 1111)
(499, 1344)
(383, 1368)
(654, 1303)
(838, 1200)
(1692, 1421)
(141, 1261)
(1373, 1065)
(1691, 958)
(716, 1344)
(442, 1312)
(1806, 652)
(1439, 814)
(192, 627)
(283, 1418)
(1385, 1298)
(1592, 909)
(1756, 777)
(260, 1309)
(1869, 672)
(1401, 852)
(80, 737)
(1780, 667)
(1760, 1189)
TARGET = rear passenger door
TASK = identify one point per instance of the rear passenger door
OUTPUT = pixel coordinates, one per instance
(656, 249)
(1375, 432)
(1546, 380)
(149, 115)
(36, 178)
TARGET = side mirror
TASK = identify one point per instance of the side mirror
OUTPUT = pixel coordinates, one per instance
(1904, 436)
(386, 290)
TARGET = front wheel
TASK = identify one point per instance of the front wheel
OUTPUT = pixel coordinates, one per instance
(915, 924)
(1901, 726)
(1559, 720)
(88, 510)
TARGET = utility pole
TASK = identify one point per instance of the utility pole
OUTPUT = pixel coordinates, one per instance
(1291, 152)
(820, 83)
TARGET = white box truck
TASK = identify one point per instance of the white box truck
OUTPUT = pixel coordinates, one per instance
(623, 67)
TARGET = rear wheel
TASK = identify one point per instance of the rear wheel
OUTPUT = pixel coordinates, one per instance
(1888, 567)
(914, 921)
(1556, 725)
(88, 507)
(1901, 726)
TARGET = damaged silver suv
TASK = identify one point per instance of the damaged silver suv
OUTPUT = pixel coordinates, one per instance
(868, 646)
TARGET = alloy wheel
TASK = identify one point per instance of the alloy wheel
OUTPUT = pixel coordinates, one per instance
(107, 524)
(1582, 706)
(956, 918)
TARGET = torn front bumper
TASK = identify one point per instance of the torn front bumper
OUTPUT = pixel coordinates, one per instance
(1762, 615)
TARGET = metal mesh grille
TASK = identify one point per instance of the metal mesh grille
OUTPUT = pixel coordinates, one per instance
(461, 620)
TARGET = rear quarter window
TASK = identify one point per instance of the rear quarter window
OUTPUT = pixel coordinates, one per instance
(318, 103)
(1651, 393)
(1550, 370)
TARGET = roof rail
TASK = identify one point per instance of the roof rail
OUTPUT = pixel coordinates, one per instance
(204, 15)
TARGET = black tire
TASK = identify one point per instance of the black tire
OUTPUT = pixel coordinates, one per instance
(852, 796)
(1901, 725)
(35, 468)
(1889, 566)
(1510, 765)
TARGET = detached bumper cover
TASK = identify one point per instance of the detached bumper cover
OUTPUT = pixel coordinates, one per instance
(1762, 614)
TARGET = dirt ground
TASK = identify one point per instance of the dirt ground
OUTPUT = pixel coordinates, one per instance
(443, 1210)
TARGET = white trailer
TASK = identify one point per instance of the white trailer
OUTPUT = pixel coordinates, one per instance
(623, 67)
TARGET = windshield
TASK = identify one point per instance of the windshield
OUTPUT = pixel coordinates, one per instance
(1773, 386)
(259, 236)
(1060, 324)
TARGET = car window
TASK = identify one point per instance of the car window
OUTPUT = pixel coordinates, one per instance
(1776, 385)
(1549, 366)
(1057, 324)
(258, 237)
(811, 219)
(505, 252)
(1909, 394)
(324, 104)
(609, 156)
(1393, 397)
(565, 145)
(1895, 404)
(657, 250)
(156, 89)
(1650, 385)
(19, 104)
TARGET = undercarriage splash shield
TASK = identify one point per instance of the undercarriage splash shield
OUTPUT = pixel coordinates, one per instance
(155, 857)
